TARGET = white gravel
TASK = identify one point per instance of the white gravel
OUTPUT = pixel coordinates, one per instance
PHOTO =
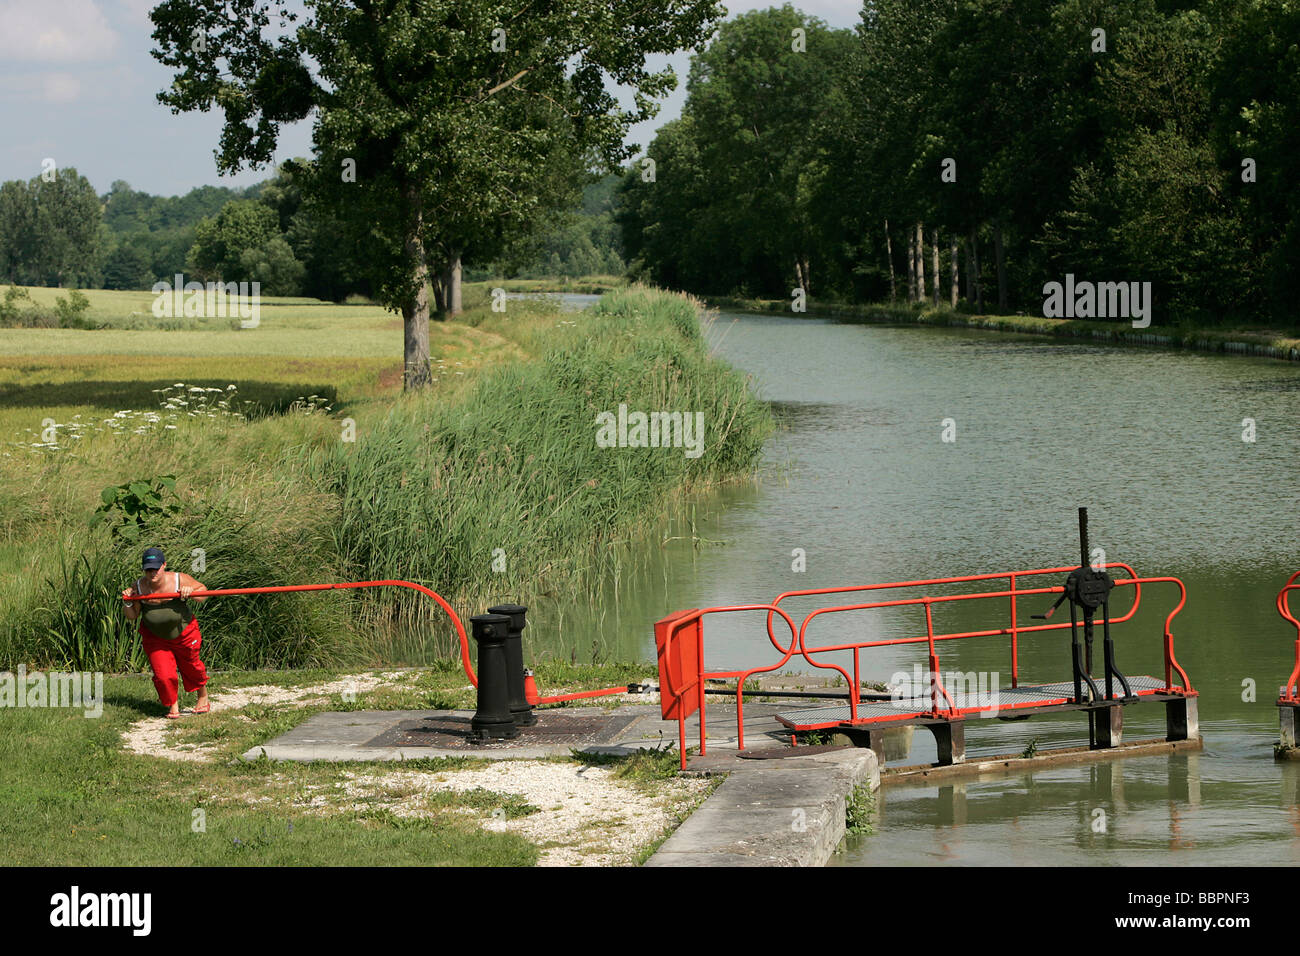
(586, 816)
(149, 736)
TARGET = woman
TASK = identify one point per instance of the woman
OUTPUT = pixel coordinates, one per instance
(170, 632)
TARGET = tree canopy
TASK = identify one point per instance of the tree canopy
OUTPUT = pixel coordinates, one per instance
(439, 126)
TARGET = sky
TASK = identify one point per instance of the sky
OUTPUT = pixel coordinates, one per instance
(78, 86)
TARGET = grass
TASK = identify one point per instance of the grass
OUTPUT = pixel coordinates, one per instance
(498, 454)
(74, 793)
(645, 767)
(498, 458)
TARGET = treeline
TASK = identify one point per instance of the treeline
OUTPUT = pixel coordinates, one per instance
(585, 242)
(969, 151)
(57, 231)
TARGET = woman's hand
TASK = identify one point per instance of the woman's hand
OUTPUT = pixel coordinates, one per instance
(185, 591)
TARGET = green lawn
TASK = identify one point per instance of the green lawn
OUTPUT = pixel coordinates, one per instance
(73, 794)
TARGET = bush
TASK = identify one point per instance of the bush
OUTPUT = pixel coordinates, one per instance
(14, 314)
(72, 311)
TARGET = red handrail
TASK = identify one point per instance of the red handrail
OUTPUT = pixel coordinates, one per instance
(666, 671)
(455, 620)
(800, 645)
(1283, 601)
(1014, 630)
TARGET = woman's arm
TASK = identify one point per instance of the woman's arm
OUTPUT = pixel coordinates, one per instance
(189, 584)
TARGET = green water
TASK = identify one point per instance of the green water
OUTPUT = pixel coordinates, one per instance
(859, 478)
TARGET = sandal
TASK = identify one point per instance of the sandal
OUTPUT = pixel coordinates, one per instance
(171, 716)
(202, 708)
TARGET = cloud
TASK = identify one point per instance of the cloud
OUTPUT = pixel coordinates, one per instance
(60, 87)
(55, 31)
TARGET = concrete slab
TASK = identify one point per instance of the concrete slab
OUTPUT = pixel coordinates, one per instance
(360, 735)
(780, 812)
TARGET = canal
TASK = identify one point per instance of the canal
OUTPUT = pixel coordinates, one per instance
(862, 484)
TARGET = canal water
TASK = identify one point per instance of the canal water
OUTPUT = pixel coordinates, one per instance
(860, 486)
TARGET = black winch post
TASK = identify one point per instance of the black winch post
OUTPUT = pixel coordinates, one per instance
(492, 720)
(1087, 611)
(520, 709)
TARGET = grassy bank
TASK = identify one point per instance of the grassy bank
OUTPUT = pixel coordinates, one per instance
(1265, 342)
(491, 484)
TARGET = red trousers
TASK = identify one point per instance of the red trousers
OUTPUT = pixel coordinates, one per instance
(166, 656)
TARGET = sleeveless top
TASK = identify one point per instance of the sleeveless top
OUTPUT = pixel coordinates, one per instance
(167, 619)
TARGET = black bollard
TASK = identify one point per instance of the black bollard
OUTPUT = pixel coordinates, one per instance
(492, 720)
(520, 709)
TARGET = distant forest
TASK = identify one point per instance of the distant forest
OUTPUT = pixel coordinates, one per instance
(59, 232)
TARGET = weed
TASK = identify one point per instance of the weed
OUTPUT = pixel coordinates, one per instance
(859, 807)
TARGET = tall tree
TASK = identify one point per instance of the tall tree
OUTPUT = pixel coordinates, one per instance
(434, 120)
(745, 164)
(65, 230)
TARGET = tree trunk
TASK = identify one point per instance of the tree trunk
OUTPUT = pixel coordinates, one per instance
(889, 254)
(1002, 272)
(975, 270)
(415, 310)
(451, 286)
(439, 292)
(953, 272)
(911, 266)
(920, 263)
(799, 280)
(934, 252)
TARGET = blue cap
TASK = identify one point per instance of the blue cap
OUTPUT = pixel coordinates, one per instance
(153, 558)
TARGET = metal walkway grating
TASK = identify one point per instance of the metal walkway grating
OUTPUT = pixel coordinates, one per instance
(1024, 697)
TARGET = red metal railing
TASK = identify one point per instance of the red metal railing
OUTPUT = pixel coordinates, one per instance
(1014, 630)
(1289, 694)
(675, 685)
(455, 620)
(674, 681)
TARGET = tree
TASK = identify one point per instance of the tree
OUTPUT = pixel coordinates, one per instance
(439, 126)
(274, 265)
(65, 229)
(732, 206)
(1255, 115)
(17, 232)
(242, 226)
(127, 266)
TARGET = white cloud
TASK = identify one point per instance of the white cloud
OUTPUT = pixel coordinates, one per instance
(55, 31)
(60, 87)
